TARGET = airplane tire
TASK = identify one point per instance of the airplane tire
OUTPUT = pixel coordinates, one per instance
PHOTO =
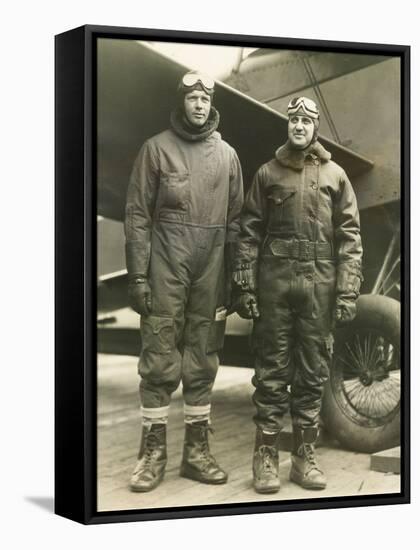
(361, 404)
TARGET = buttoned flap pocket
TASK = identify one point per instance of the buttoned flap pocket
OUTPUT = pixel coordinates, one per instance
(279, 201)
(175, 189)
(217, 329)
(157, 334)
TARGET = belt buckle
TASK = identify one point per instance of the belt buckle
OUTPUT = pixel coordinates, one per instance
(294, 251)
(304, 252)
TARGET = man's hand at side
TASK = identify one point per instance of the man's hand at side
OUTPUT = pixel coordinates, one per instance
(345, 310)
(140, 296)
(246, 305)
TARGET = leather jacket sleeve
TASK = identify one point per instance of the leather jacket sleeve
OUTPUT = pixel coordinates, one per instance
(236, 198)
(141, 197)
(348, 244)
(252, 224)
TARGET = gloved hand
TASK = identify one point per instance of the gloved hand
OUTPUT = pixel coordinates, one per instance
(244, 277)
(140, 296)
(245, 304)
(349, 279)
(345, 310)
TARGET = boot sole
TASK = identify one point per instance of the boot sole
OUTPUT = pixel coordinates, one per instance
(141, 490)
(267, 491)
(137, 489)
(311, 486)
(193, 476)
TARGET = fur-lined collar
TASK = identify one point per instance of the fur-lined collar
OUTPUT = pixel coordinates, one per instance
(295, 158)
(186, 131)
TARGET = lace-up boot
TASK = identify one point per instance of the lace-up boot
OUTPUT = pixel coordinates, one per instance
(197, 462)
(305, 470)
(150, 467)
(265, 465)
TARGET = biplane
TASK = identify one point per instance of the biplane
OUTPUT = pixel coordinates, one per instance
(361, 129)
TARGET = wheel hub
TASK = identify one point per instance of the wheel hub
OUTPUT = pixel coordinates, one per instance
(366, 378)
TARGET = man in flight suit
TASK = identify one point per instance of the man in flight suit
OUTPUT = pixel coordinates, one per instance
(183, 204)
(297, 271)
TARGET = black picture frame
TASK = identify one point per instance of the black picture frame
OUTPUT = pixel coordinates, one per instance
(76, 265)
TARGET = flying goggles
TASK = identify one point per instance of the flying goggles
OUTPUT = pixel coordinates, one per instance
(304, 105)
(190, 80)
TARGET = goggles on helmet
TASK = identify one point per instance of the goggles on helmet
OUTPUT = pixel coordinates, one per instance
(191, 79)
(307, 106)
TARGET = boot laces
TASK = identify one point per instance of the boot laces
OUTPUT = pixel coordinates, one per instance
(205, 455)
(309, 453)
(268, 455)
(150, 452)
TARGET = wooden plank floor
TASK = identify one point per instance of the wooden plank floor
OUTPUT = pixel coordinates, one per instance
(232, 444)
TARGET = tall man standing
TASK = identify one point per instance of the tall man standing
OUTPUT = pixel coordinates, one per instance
(298, 271)
(182, 211)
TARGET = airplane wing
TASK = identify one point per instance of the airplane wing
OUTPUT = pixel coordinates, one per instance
(135, 94)
(262, 73)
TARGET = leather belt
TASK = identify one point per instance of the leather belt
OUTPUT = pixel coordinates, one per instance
(302, 250)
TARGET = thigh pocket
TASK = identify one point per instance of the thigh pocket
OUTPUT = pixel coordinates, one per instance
(157, 334)
(217, 329)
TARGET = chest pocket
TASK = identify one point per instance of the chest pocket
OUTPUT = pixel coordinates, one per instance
(281, 205)
(175, 190)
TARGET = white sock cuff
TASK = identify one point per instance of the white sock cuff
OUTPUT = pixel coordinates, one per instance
(152, 415)
(197, 410)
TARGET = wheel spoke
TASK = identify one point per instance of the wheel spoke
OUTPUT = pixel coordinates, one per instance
(352, 366)
(375, 400)
(367, 375)
(358, 361)
(361, 405)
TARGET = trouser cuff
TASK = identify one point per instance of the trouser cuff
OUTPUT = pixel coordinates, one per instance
(154, 415)
(196, 413)
(300, 424)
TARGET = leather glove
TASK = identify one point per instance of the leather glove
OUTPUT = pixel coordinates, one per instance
(244, 277)
(140, 296)
(349, 279)
(345, 311)
(246, 305)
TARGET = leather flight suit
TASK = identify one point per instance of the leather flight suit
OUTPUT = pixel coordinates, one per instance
(299, 235)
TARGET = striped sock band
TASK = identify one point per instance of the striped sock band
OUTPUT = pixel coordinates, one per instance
(196, 413)
(155, 415)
